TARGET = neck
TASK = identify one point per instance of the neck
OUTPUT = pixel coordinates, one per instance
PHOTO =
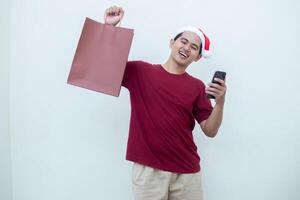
(173, 67)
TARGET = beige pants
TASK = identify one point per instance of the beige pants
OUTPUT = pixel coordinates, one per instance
(154, 184)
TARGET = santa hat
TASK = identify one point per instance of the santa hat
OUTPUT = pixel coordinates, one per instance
(205, 52)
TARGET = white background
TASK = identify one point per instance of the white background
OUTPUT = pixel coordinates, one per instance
(65, 143)
(5, 156)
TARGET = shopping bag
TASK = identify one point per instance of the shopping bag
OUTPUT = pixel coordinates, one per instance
(100, 58)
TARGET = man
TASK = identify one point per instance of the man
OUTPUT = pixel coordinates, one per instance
(165, 102)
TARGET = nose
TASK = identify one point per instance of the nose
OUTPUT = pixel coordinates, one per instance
(187, 47)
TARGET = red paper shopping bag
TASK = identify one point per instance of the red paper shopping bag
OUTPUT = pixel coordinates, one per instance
(101, 57)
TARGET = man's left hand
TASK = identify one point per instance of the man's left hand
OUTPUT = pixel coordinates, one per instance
(217, 90)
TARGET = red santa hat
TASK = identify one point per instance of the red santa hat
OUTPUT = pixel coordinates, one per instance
(205, 52)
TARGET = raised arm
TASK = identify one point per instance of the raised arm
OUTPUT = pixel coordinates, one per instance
(211, 126)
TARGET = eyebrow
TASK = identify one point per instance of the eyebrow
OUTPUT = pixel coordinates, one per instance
(188, 41)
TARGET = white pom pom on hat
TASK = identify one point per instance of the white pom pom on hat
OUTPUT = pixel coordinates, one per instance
(205, 51)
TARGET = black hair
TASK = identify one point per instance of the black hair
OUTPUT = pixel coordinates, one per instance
(180, 34)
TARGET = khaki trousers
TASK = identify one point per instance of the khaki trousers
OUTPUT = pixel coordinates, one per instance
(154, 184)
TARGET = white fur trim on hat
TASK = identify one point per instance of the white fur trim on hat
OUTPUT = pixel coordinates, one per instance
(205, 52)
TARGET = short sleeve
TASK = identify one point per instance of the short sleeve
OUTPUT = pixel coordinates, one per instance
(130, 74)
(202, 107)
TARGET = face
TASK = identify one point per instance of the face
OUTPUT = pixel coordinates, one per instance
(185, 49)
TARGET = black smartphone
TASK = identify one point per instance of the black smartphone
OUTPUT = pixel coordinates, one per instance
(220, 75)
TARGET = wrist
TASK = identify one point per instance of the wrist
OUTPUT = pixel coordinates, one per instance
(220, 104)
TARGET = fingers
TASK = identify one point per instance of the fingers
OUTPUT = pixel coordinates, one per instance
(113, 15)
(222, 82)
(216, 89)
(121, 12)
(114, 11)
(213, 91)
(215, 85)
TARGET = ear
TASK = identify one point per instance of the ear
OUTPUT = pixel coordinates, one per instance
(171, 43)
(198, 57)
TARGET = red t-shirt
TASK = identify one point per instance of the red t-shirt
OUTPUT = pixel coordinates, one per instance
(164, 107)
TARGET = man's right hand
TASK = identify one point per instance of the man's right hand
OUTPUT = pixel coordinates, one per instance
(113, 15)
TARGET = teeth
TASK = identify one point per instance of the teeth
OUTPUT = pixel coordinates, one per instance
(185, 55)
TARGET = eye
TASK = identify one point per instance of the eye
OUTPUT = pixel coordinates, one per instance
(194, 48)
(183, 42)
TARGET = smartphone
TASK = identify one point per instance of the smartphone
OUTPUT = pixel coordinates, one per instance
(220, 75)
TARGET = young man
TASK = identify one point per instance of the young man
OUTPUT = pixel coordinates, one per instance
(165, 102)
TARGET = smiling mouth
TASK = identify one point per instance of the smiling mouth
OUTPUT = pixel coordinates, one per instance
(183, 54)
